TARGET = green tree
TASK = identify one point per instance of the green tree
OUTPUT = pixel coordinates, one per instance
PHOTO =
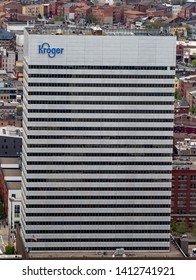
(193, 110)
(91, 19)
(1, 210)
(19, 109)
(177, 228)
(56, 18)
(173, 226)
(10, 249)
(177, 95)
(154, 25)
(181, 228)
(193, 62)
(193, 231)
(189, 30)
(39, 16)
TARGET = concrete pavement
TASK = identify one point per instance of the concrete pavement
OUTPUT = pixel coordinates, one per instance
(4, 235)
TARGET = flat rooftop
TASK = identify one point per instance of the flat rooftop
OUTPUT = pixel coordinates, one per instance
(173, 253)
(69, 30)
(13, 185)
(184, 162)
(8, 161)
(11, 131)
(11, 172)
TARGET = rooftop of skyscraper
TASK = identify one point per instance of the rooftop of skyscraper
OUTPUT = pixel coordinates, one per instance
(174, 253)
(95, 30)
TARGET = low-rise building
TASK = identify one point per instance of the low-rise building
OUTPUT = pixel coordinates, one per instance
(184, 182)
(22, 17)
(181, 107)
(3, 75)
(10, 189)
(18, 71)
(183, 207)
(131, 16)
(82, 13)
(32, 10)
(176, 9)
(191, 97)
(187, 10)
(186, 83)
(10, 141)
(178, 31)
(9, 90)
(118, 14)
(56, 8)
(103, 14)
(9, 60)
(7, 110)
(7, 40)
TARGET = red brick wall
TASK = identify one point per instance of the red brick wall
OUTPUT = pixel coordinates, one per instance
(21, 17)
(118, 14)
(4, 193)
(184, 86)
(176, 192)
(14, 6)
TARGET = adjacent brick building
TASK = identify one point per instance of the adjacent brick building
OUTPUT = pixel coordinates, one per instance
(187, 10)
(103, 14)
(82, 12)
(56, 8)
(186, 83)
(118, 14)
(131, 16)
(7, 40)
(32, 10)
(13, 6)
(184, 183)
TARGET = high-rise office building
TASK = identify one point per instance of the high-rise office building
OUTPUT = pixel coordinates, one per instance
(97, 149)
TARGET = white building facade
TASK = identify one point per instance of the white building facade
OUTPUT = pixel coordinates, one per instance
(176, 10)
(97, 149)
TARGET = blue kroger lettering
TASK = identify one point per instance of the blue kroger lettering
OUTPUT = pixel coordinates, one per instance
(51, 52)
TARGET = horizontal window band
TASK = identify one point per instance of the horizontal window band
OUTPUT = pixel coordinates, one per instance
(101, 85)
(45, 197)
(98, 223)
(100, 76)
(98, 180)
(94, 93)
(120, 146)
(97, 215)
(138, 120)
(89, 206)
(102, 67)
(99, 128)
(98, 102)
(83, 189)
(52, 163)
(100, 154)
(97, 240)
(100, 111)
(101, 248)
(115, 137)
(99, 171)
(109, 231)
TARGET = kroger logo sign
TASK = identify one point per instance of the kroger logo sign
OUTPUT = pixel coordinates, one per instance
(51, 52)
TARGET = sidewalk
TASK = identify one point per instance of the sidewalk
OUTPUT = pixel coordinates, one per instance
(4, 234)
